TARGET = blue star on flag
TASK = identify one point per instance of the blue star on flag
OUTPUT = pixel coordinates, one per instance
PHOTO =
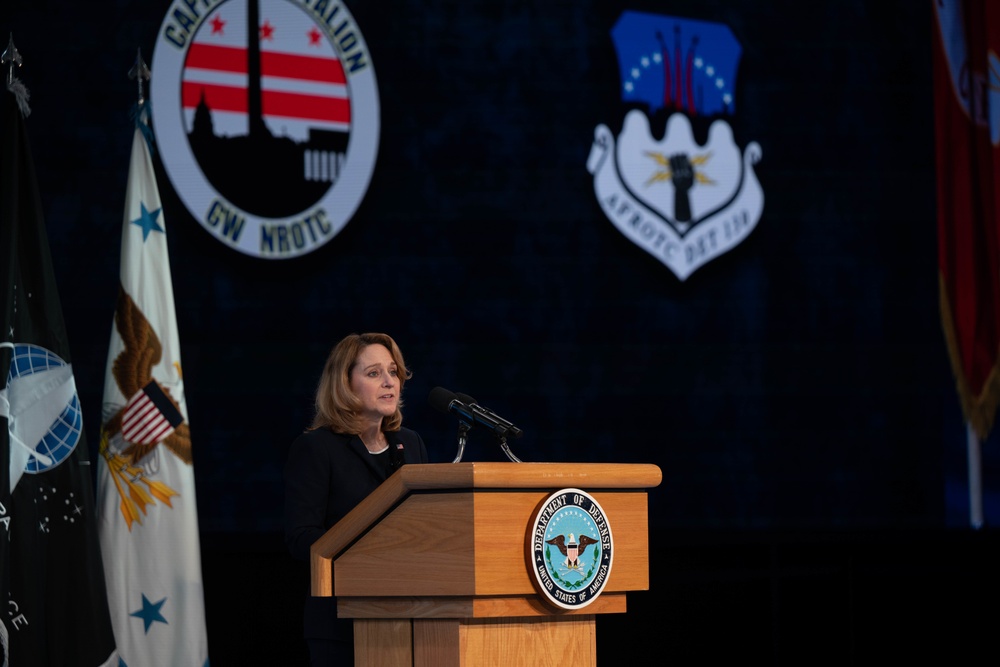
(147, 220)
(150, 612)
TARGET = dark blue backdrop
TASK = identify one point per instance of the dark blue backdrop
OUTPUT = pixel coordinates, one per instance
(799, 380)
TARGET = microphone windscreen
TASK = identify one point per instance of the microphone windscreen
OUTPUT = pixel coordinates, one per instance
(465, 398)
(440, 398)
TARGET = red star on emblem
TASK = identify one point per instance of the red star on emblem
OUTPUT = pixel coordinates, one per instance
(314, 36)
(267, 31)
(217, 25)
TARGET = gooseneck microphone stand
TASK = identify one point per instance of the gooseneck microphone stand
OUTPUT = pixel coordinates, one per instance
(506, 449)
(463, 432)
(463, 436)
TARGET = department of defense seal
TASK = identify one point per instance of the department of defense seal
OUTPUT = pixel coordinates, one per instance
(571, 549)
(266, 116)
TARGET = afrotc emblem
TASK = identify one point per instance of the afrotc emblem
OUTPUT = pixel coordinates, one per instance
(682, 201)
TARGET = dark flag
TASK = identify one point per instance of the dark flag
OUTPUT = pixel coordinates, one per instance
(52, 594)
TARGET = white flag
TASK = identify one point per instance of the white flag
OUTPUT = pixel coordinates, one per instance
(145, 486)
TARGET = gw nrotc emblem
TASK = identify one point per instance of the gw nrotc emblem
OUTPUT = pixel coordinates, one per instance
(266, 115)
(571, 549)
(683, 200)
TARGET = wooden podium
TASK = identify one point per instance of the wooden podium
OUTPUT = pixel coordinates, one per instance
(433, 565)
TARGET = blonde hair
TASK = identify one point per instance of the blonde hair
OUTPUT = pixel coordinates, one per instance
(337, 406)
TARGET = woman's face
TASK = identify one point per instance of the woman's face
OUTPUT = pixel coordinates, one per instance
(374, 380)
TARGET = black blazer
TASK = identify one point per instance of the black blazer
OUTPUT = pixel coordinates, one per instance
(326, 475)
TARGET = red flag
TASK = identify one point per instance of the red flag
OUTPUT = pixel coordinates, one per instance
(967, 113)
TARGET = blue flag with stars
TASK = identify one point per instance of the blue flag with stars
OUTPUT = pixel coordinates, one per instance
(52, 597)
(145, 475)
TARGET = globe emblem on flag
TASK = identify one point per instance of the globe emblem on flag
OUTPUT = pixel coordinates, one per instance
(38, 375)
(266, 116)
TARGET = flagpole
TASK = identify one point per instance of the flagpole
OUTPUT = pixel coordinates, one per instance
(975, 448)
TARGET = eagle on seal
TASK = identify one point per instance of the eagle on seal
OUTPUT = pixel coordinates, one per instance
(572, 549)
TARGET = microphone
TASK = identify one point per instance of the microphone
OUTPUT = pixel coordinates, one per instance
(470, 412)
(472, 403)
